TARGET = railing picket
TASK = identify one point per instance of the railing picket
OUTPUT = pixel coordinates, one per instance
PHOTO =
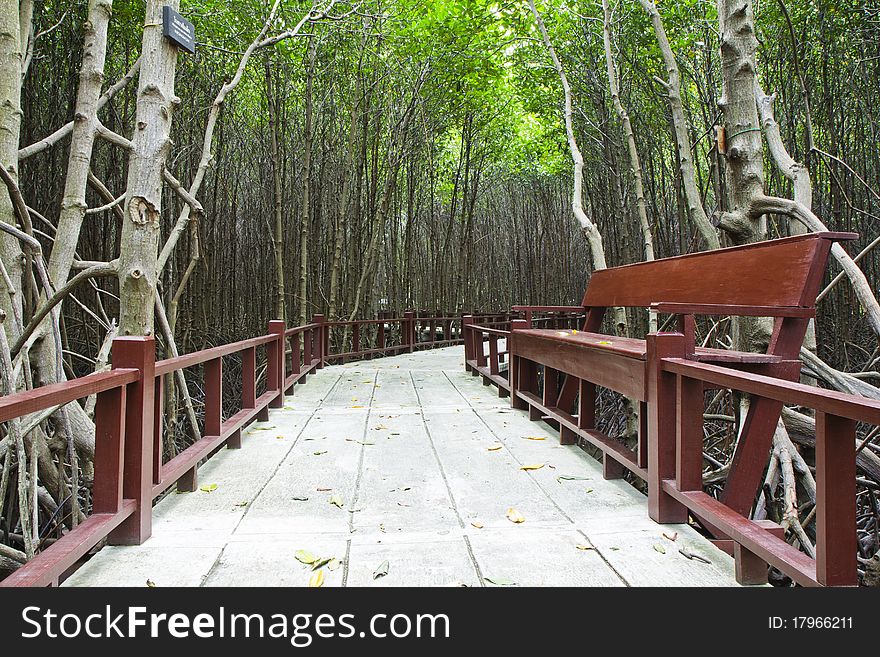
(275, 362)
(109, 450)
(836, 542)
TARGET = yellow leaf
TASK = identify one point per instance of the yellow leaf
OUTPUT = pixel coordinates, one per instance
(534, 437)
(574, 331)
(208, 488)
(605, 342)
(515, 516)
(317, 579)
(581, 546)
(477, 524)
(306, 557)
(494, 448)
(533, 466)
(336, 500)
(357, 406)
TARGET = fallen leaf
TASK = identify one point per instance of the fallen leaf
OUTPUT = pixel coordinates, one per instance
(151, 584)
(323, 490)
(319, 453)
(263, 428)
(605, 342)
(494, 448)
(564, 477)
(242, 504)
(673, 537)
(659, 548)
(515, 516)
(382, 570)
(357, 406)
(208, 488)
(500, 581)
(333, 564)
(692, 556)
(533, 466)
(535, 437)
(300, 499)
(337, 501)
(581, 546)
(320, 563)
(589, 490)
(477, 524)
(402, 504)
(317, 579)
(306, 557)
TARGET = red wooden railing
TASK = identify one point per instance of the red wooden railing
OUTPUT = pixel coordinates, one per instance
(671, 458)
(480, 331)
(129, 472)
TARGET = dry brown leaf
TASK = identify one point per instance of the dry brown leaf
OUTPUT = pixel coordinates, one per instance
(477, 524)
(494, 448)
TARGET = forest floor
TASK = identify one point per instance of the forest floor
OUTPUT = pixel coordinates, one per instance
(410, 467)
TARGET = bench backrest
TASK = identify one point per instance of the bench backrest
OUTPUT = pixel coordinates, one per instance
(780, 273)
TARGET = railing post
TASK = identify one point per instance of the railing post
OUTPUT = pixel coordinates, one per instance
(515, 367)
(355, 339)
(380, 332)
(836, 541)
(662, 432)
(137, 475)
(275, 366)
(466, 322)
(319, 339)
(409, 329)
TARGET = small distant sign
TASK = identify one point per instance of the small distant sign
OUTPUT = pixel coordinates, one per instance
(178, 30)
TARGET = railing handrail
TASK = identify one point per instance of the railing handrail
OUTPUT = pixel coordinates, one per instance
(840, 404)
(55, 394)
(169, 365)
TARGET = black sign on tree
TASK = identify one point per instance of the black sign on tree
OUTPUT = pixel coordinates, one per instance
(178, 30)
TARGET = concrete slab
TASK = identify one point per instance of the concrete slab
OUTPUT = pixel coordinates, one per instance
(423, 463)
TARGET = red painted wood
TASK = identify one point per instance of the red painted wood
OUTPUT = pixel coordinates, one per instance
(723, 276)
(689, 438)
(788, 392)
(109, 450)
(662, 427)
(275, 365)
(137, 481)
(776, 552)
(197, 358)
(836, 543)
(158, 426)
(248, 378)
(739, 311)
(38, 399)
(58, 558)
(213, 396)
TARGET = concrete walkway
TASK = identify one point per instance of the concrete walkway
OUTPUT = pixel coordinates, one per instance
(425, 463)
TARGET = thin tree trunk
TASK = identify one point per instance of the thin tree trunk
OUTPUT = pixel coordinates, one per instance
(138, 266)
(672, 84)
(278, 232)
(307, 185)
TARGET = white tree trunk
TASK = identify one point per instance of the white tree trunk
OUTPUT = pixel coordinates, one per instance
(143, 197)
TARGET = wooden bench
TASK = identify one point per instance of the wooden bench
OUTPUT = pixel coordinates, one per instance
(777, 278)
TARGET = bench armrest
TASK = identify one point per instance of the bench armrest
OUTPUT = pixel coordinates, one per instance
(739, 311)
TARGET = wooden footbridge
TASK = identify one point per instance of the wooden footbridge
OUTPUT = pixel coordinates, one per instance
(390, 464)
